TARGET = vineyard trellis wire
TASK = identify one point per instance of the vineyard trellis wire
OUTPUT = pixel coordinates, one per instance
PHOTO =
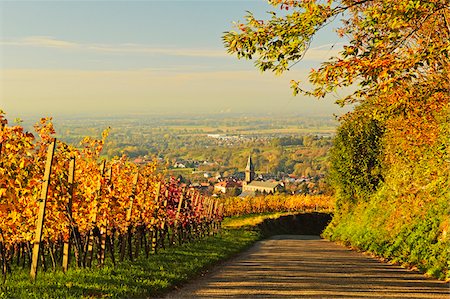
(79, 208)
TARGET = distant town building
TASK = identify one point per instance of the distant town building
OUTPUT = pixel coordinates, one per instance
(250, 187)
(204, 188)
(179, 165)
(249, 171)
(226, 186)
(261, 186)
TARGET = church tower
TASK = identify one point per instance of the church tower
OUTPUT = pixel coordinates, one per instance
(249, 171)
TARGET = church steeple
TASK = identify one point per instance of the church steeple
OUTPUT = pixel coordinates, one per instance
(249, 170)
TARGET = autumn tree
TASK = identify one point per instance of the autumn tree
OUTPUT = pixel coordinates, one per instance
(396, 59)
(389, 42)
(393, 150)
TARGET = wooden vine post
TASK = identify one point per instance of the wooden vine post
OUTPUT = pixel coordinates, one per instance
(71, 181)
(41, 215)
(90, 239)
(154, 228)
(195, 209)
(3, 123)
(188, 213)
(196, 199)
(132, 196)
(180, 204)
(202, 208)
(129, 213)
(215, 216)
(104, 228)
(201, 211)
(220, 215)
(210, 214)
(177, 216)
(164, 228)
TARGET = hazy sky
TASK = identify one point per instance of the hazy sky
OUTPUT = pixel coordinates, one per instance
(115, 57)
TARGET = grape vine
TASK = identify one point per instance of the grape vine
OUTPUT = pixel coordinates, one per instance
(113, 209)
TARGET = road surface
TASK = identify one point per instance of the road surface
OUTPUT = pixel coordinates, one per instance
(300, 266)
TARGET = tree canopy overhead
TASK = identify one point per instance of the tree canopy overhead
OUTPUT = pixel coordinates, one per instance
(391, 44)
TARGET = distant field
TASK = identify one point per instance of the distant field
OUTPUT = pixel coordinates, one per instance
(248, 130)
(175, 139)
(238, 124)
(177, 171)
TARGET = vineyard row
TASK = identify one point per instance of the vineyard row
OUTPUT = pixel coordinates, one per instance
(76, 207)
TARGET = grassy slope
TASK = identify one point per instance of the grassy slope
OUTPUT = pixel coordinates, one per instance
(144, 277)
(141, 278)
(396, 229)
(407, 218)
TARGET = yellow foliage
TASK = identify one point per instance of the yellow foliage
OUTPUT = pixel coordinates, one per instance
(235, 206)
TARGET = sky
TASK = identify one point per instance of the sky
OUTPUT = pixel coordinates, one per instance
(110, 58)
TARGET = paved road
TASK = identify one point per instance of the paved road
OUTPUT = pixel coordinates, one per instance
(308, 267)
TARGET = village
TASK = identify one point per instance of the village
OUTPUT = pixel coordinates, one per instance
(247, 183)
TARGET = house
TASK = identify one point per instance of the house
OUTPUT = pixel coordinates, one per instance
(139, 161)
(250, 187)
(200, 186)
(179, 165)
(225, 186)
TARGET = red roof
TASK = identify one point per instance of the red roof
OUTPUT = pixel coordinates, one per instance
(228, 184)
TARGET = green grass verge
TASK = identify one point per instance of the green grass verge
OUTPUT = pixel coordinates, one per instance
(138, 279)
(419, 243)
